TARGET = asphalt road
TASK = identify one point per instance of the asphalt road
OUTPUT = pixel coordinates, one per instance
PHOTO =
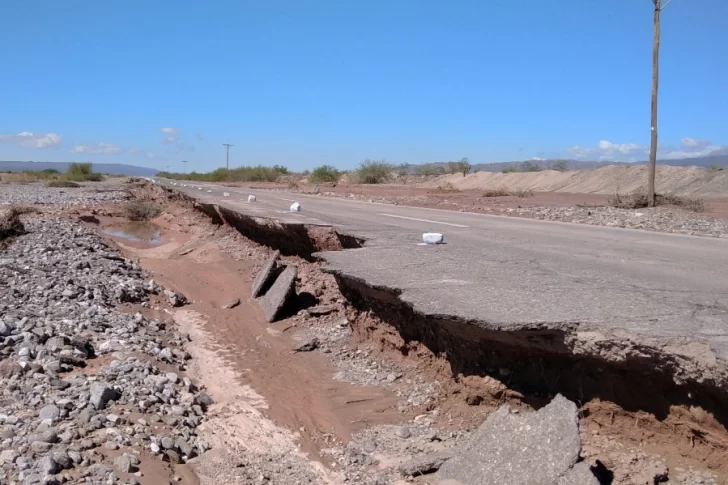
(510, 272)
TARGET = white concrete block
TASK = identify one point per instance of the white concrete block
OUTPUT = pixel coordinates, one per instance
(433, 238)
(251, 198)
(199, 188)
(209, 191)
(295, 207)
(226, 194)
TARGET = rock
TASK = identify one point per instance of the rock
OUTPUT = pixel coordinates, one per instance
(175, 299)
(48, 466)
(403, 432)
(173, 456)
(204, 400)
(231, 304)
(8, 456)
(50, 412)
(264, 274)
(173, 378)
(167, 443)
(126, 463)
(100, 395)
(40, 446)
(274, 299)
(166, 355)
(307, 345)
(423, 465)
(321, 310)
(513, 448)
(296, 207)
(184, 447)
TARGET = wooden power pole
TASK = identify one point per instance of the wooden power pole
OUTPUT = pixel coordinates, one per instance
(227, 156)
(653, 124)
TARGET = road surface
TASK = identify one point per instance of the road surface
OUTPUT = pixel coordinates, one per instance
(514, 272)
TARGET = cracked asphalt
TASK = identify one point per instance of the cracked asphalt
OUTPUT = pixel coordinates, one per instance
(510, 273)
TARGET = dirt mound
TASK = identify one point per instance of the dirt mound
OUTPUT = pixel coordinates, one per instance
(693, 181)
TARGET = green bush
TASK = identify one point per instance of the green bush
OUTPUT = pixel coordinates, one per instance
(259, 173)
(324, 173)
(82, 172)
(374, 172)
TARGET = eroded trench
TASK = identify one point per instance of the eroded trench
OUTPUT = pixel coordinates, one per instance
(635, 397)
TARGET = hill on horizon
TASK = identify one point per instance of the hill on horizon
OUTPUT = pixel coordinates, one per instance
(109, 168)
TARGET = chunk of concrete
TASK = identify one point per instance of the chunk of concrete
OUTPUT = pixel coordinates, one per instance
(276, 297)
(226, 194)
(295, 207)
(264, 274)
(251, 198)
(433, 238)
(510, 448)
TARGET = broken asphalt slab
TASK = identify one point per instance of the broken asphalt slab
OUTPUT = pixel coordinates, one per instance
(514, 448)
(276, 296)
(264, 274)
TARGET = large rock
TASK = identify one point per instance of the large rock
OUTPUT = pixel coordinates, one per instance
(264, 274)
(511, 448)
(100, 395)
(274, 299)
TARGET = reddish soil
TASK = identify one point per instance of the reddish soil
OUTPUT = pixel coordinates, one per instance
(298, 387)
(465, 200)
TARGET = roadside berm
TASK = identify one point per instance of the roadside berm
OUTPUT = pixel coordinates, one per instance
(349, 383)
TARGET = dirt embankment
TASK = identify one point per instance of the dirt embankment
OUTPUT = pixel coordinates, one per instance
(687, 181)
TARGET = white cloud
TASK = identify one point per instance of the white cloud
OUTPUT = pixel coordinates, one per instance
(27, 139)
(169, 131)
(632, 152)
(170, 139)
(99, 149)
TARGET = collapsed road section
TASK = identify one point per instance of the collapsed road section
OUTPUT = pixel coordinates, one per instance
(635, 375)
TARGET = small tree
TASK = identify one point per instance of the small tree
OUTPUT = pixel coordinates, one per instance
(464, 166)
(427, 169)
(374, 172)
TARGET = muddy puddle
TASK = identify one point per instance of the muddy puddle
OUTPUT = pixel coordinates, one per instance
(140, 232)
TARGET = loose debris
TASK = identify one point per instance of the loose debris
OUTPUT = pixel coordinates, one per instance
(275, 298)
(264, 275)
(519, 449)
(80, 380)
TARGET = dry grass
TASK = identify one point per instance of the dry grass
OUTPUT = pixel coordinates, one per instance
(638, 200)
(504, 192)
(141, 210)
(65, 184)
(10, 223)
(447, 188)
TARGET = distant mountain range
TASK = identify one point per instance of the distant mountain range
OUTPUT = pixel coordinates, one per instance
(110, 168)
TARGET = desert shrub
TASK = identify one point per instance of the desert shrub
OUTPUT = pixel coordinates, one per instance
(497, 192)
(522, 193)
(447, 188)
(82, 172)
(141, 210)
(324, 173)
(374, 172)
(62, 184)
(638, 200)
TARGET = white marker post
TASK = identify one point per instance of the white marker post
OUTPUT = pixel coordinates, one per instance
(295, 207)
(251, 198)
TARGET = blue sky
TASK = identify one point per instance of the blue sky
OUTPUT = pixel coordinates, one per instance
(304, 83)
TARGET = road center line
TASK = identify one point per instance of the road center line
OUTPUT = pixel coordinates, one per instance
(424, 220)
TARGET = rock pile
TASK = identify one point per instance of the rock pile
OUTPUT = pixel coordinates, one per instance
(39, 194)
(84, 388)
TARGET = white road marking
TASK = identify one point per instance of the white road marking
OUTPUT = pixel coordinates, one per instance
(424, 220)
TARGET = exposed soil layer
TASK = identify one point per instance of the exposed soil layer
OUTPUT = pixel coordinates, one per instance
(632, 401)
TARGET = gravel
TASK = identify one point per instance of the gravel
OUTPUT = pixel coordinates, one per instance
(87, 195)
(659, 219)
(76, 373)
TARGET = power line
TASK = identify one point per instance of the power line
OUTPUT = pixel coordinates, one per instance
(227, 155)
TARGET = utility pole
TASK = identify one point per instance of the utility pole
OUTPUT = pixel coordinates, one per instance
(227, 155)
(185, 165)
(653, 123)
